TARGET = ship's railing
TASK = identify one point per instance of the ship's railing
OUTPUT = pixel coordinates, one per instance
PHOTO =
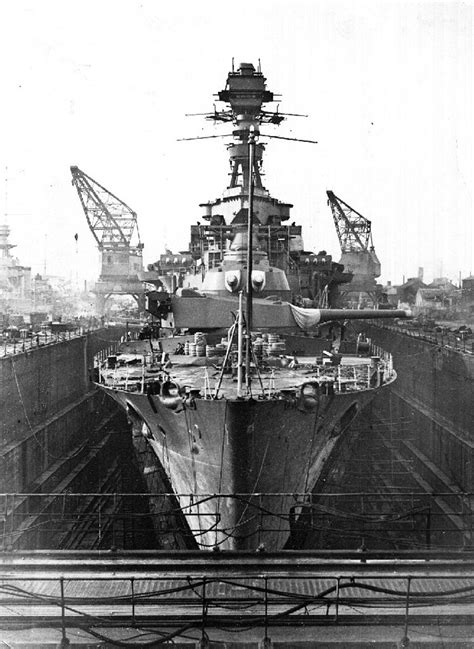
(130, 377)
(386, 362)
(340, 378)
(357, 376)
(102, 354)
(384, 520)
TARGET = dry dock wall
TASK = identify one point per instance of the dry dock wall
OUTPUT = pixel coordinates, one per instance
(434, 392)
(48, 405)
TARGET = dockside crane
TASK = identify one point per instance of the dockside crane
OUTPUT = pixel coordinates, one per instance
(358, 255)
(113, 225)
(111, 221)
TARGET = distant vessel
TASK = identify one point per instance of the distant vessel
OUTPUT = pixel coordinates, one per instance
(244, 414)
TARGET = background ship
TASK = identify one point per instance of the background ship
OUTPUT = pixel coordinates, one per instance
(231, 433)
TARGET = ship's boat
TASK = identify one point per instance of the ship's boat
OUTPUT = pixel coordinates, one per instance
(246, 408)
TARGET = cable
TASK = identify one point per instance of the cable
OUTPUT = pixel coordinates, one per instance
(154, 643)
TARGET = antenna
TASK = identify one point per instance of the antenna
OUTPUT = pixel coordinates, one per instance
(7, 212)
(45, 249)
(76, 238)
(291, 139)
(202, 137)
(272, 137)
(249, 288)
(6, 193)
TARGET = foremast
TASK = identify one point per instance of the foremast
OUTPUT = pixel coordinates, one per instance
(245, 96)
(245, 93)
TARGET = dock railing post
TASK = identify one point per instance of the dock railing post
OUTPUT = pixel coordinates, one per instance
(132, 591)
(428, 528)
(216, 538)
(64, 639)
(338, 583)
(405, 640)
(5, 505)
(204, 638)
(266, 639)
(470, 514)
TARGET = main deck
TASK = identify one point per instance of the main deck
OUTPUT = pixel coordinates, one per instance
(139, 367)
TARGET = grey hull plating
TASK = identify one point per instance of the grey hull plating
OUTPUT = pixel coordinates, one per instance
(241, 451)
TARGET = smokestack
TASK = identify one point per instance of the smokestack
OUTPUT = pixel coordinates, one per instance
(420, 273)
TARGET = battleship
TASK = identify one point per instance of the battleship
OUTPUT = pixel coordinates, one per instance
(256, 389)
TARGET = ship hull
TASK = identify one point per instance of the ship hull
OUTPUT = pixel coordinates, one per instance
(237, 465)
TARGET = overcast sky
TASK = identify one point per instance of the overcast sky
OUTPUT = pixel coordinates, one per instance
(105, 85)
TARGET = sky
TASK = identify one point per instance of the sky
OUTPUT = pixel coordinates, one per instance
(105, 85)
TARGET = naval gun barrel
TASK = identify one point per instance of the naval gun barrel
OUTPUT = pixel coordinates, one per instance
(309, 318)
(362, 314)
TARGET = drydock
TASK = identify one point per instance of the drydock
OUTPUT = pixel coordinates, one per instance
(83, 562)
(97, 546)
